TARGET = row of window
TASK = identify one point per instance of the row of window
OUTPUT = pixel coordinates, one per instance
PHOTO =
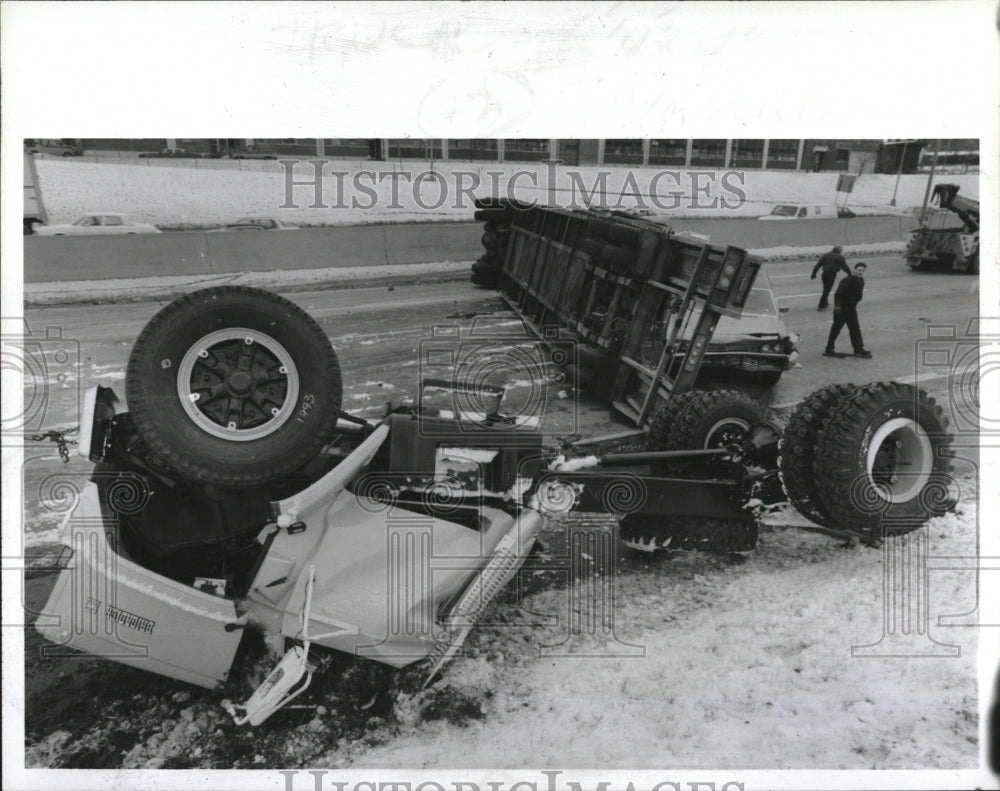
(623, 151)
(747, 152)
(673, 152)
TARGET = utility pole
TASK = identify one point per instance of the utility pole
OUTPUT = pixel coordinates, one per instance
(899, 171)
(930, 178)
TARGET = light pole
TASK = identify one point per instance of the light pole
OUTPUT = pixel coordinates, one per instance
(930, 178)
(899, 171)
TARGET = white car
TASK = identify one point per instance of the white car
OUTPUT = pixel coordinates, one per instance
(802, 211)
(97, 223)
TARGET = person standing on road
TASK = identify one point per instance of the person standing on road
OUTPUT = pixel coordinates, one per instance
(845, 311)
(830, 263)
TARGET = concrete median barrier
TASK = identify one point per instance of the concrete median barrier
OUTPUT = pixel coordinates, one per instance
(54, 258)
(66, 258)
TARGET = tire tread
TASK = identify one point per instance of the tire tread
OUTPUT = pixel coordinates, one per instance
(145, 417)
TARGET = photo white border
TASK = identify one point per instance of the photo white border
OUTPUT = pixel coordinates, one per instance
(580, 70)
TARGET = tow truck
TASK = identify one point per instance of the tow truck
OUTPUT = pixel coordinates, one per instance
(939, 241)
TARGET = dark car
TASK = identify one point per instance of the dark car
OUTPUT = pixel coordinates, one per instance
(257, 224)
(757, 347)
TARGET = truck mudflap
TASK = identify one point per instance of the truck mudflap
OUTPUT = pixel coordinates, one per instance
(104, 604)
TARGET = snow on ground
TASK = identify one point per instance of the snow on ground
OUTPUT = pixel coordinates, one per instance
(196, 192)
(746, 666)
(743, 666)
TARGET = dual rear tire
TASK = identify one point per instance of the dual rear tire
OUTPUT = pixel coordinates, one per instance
(873, 459)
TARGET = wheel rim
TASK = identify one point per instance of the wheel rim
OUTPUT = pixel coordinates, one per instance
(900, 459)
(238, 384)
(726, 432)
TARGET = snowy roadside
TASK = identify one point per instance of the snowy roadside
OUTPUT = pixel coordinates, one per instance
(152, 289)
(753, 666)
(191, 193)
(746, 666)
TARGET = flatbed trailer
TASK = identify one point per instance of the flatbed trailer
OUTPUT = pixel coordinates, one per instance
(640, 301)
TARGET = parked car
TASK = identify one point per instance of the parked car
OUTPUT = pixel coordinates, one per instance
(251, 152)
(60, 147)
(758, 344)
(802, 211)
(257, 224)
(97, 223)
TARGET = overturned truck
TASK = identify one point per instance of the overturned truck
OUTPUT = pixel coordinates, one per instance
(233, 493)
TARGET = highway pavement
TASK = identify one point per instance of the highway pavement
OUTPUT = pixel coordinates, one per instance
(387, 339)
(377, 329)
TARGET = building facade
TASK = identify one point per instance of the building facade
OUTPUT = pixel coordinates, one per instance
(817, 155)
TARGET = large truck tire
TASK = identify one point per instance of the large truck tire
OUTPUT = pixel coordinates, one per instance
(692, 421)
(233, 386)
(798, 450)
(712, 419)
(658, 436)
(485, 277)
(882, 460)
(498, 215)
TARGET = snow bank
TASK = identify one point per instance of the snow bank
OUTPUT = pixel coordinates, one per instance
(748, 666)
(189, 193)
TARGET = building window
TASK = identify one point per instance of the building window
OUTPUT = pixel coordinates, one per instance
(477, 149)
(304, 146)
(347, 147)
(668, 152)
(782, 152)
(708, 152)
(525, 149)
(747, 154)
(843, 158)
(568, 151)
(414, 148)
(623, 152)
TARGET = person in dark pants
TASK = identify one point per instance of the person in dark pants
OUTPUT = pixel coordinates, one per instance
(845, 311)
(830, 263)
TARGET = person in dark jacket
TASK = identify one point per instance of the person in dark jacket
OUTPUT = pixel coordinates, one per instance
(830, 263)
(845, 311)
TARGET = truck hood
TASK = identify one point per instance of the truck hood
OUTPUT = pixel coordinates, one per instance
(750, 325)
